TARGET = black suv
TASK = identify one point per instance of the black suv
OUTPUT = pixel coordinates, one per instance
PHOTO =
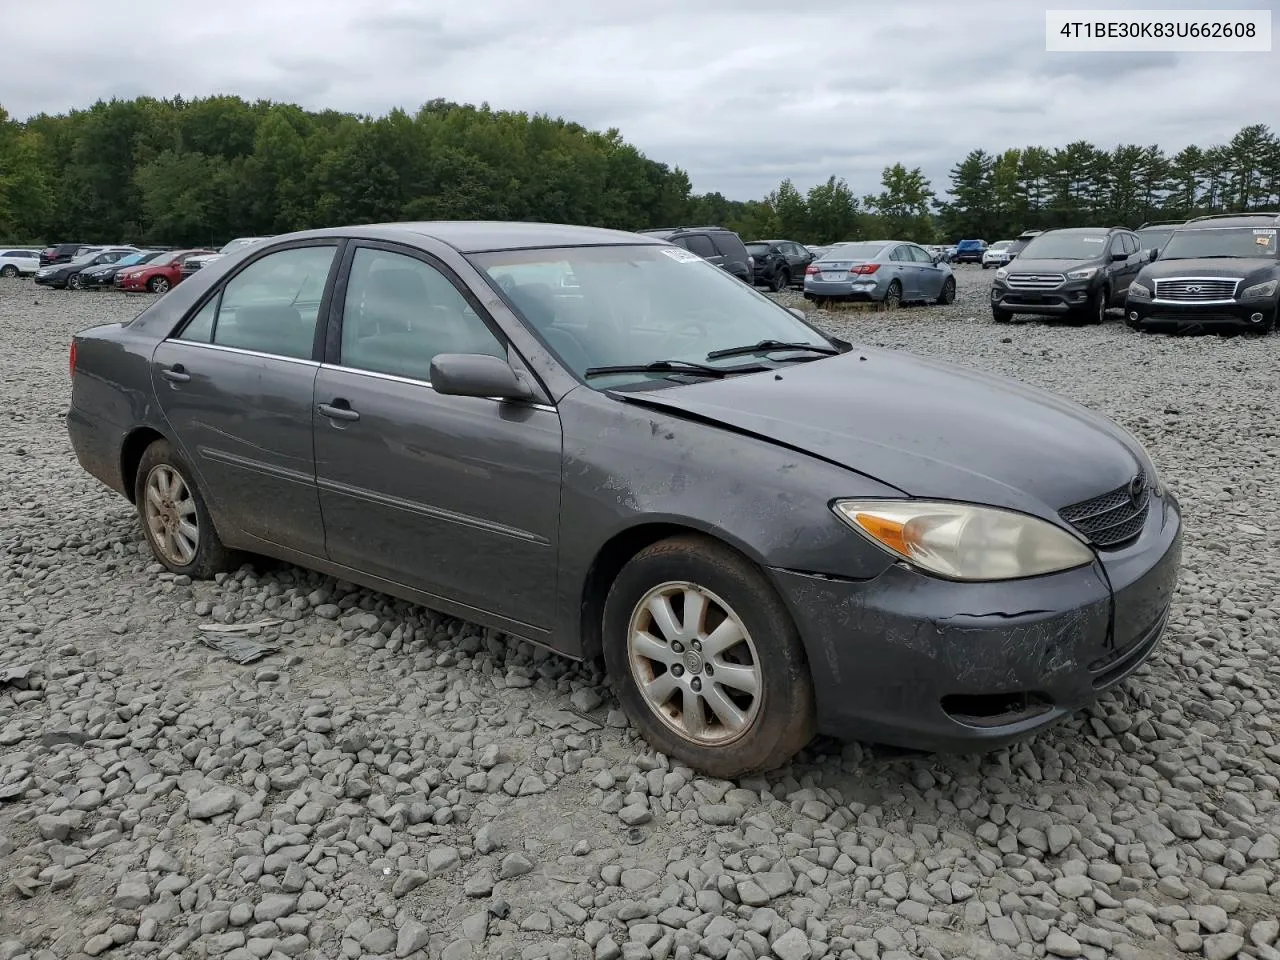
(1076, 273)
(1217, 271)
(719, 245)
(779, 263)
(60, 253)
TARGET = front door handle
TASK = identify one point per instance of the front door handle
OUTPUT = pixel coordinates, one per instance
(338, 410)
(177, 374)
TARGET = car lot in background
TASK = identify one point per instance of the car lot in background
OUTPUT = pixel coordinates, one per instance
(103, 275)
(717, 245)
(156, 276)
(1220, 272)
(891, 272)
(779, 264)
(1074, 274)
(18, 261)
(996, 255)
(1020, 243)
(63, 252)
(194, 263)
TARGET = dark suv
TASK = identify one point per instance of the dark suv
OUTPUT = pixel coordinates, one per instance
(60, 253)
(1076, 273)
(719, 245)
(969, 251)
(779, 263)
(1020, 244)
(1218, 271)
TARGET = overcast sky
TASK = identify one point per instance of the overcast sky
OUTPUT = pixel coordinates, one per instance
(740, 93)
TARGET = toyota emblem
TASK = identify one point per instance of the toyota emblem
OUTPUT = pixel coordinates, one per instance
(1135, 491)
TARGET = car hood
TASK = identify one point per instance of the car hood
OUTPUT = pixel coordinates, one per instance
(930, 429)
(1213, 267)
(1023, 264)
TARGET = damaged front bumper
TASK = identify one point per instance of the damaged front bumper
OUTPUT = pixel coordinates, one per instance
(928, 664)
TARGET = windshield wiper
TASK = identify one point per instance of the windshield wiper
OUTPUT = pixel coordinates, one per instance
(769, 346)
(663, 366)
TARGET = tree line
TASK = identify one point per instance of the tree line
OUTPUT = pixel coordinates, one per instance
(200, 171)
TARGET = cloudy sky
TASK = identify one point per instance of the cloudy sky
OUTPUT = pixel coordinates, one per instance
(740, 93)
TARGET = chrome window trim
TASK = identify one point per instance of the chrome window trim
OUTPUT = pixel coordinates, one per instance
(395, 378)
(240, 350)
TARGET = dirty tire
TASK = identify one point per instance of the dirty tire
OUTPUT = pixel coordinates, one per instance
(211, 557)
(948, 293)
(1001, 316)
(784, 719)
(781, 280)
(8, 271)
(73, 282)
(893, 296)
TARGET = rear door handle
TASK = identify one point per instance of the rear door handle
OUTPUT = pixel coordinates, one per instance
(177, 374)
(338, 410)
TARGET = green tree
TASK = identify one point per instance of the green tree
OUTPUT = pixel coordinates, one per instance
(902, 207)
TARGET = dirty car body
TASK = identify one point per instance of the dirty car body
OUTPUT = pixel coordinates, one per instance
(346, 446)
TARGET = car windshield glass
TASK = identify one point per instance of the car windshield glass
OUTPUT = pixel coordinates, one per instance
(235, 245)
(1154, 238)
(632, 305)
(1000, 244)
(1187, 244)
(131, 259)
(1066, 246)
(854, 251)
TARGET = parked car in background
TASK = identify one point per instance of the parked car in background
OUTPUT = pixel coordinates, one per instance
(779, 263)
(942, 252)
(891, 272)
(159, 275)
(1154, 235)
(818, 249)
(16, 261)
(996, 255)
(1020, 243)
(1076, 274)
(67, 275)
(104, 275)
(969, 251)
(765, 532)
(1218, 272)
(62, 253)
(192, 264)
(717, 245)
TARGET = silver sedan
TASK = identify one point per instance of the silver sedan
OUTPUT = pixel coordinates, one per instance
(892, 272)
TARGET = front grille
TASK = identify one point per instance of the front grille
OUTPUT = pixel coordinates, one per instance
(1034, 281)
(1193, 290)
(1114, 518)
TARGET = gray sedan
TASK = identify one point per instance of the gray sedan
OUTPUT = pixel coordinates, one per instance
(891, 272)
(601, 443)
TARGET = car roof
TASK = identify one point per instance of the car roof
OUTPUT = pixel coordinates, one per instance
(480, 236)
(1237, 220)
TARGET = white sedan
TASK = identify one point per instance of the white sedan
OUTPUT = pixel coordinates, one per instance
(997, 255)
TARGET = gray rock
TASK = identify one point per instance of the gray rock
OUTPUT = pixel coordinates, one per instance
(411, 937)
(211, 803)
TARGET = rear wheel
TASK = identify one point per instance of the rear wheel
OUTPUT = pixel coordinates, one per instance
(781, 280)
(948, 294)
(174, 517)
(158, 284)
(893, 296)
(706, 660)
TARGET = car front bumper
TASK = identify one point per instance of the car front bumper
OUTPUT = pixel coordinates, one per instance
(1070, 297)
(918, 662)
(1242, 315)
(130, 285)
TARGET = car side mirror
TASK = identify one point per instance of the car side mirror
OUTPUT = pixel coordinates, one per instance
(1119, 256)
(477, 375)
(1152, 254)
(936, 259)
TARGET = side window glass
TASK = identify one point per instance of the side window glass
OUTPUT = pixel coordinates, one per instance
(400, 312)
(199, 329)
(899, 253)
(701, 245)
(1117, 245)
(726, 247)
(1130, 243)
(271, 306)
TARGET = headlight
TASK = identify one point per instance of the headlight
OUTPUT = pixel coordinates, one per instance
(959, 541)
(1260, 290)
(1139, 291)
(1001, 273)
(1084, 273)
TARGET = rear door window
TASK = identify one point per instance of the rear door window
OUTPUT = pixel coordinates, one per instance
(700, 244)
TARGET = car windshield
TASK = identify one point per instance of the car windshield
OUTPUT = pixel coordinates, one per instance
(1066, 246)
(1154, 237)
(1185, 244)
(634, 305)
(854, 251)
(133, 258)
(1000, 245)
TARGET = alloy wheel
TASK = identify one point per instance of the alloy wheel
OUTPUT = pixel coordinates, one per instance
(171, 515)
(694, 663)
(893, 296)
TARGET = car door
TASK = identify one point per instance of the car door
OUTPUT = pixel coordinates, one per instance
(235, 384)
(1119, 270)
(799, 258)
(457, 497)
(929, 274)
(902, 266)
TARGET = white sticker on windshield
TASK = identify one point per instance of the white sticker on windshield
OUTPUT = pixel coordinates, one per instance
(1094, 239)
(681, 255)
(1265, 232)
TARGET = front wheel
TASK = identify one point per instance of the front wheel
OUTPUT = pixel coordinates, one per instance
(948, 294)
(74, 282)
(8, 271)
(986, 266)
(158, 285)
(706, 660)
(1001, 316)
(175, 519)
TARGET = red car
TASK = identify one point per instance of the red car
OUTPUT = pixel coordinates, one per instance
(158, 276)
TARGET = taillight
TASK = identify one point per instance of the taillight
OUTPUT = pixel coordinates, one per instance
(864, 269)
(71, 363)
(812, 270)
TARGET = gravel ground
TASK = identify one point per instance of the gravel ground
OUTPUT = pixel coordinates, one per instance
(392, 783)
